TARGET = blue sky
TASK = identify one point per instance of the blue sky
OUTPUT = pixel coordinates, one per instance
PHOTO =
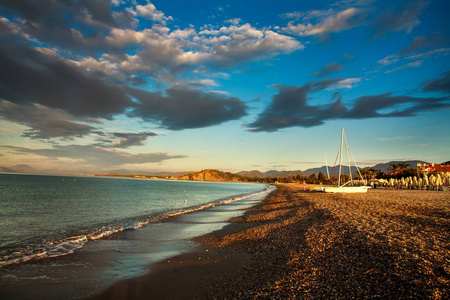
(147, 86)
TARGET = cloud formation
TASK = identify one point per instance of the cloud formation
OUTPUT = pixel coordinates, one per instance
(44, 122)
(183, 108)
(420, 49)
(330, 22)
(405, 19)
(290, 107)
(329, 69)
(86, 59)
(88, 154)
(346, 15)
(131, 139)
(438, 85)
(31, 76)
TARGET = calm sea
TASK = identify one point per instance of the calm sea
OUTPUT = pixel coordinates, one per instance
(46, 216)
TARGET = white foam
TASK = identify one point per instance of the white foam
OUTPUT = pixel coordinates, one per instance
(68, 245)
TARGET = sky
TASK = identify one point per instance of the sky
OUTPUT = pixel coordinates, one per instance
(94, 86)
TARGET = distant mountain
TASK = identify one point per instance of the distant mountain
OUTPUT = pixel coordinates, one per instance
(278, 174)
(212, 175)
(323, 169)
(385, 166)
(253, 174)
(19, 169)
(6, 170)
(271, 173)
(163, 174)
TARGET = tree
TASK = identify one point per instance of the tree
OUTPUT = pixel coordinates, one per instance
(393, 167)
(344, 178)
(403, 166)
(322, 177)
(311, 178)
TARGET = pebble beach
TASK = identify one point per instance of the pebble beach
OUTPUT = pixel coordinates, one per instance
(383, 244)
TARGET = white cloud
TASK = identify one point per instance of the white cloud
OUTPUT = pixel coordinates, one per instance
(414, 64)
(165, 50)
(348, 83)
(431, 53)
(389, 60)
(150, 12)
(234, 21)
(341, 21)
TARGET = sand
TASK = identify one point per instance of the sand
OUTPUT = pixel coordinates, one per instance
(384, 244)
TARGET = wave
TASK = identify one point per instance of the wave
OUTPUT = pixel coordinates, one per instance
(67, 245)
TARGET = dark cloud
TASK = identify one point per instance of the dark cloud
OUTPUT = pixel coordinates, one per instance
(421, 43)
(131, 139)
(438, 85)
(95, 155)
(44, 122)
(29, 76)
(183, 108)
(54, 10)
(330, 68)
(290, 108)
(77, 24)
(404, 19)
(399, 106)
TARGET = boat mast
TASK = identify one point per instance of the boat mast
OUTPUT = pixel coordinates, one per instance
(347, 149)
(326, 164)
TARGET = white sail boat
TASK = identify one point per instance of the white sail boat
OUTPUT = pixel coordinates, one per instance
(347, 187)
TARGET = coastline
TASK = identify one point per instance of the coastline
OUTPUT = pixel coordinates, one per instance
(384, 244)
(125, 254)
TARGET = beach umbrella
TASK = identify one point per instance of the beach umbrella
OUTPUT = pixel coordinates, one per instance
(396, 182)
(438, 180)
(382, 182)
(425, 181)
(420, 183)
(446, 181)
(415, 182)
(402, 182)
(432, 181)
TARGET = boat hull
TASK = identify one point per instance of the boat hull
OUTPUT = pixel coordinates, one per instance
(347, 189)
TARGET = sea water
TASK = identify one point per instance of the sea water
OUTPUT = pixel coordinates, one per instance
(48, 216)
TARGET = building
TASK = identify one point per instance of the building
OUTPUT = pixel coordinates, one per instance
(434, 168)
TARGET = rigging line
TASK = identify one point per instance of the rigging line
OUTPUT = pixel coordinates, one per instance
(334, 167)
(357, 168)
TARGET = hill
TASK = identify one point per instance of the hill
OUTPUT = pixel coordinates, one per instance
(271, 173)
(212, 175)
(383, 167)
(119, 172)
(19, 169)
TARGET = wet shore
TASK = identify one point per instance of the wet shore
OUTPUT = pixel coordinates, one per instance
(384, 244)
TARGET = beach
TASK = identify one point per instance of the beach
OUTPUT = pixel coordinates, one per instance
(383, 244)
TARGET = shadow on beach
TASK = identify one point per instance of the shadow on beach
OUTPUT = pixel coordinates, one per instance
(384, 244)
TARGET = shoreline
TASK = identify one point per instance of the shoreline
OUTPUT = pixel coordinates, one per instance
(125, 254)
(384, 244)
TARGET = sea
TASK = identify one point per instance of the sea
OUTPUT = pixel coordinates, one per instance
(103, 228)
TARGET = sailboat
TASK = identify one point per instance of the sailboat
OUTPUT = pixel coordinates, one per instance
(347, 187)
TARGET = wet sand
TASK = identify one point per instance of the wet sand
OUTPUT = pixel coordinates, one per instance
(385, 244)
(127, 254)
